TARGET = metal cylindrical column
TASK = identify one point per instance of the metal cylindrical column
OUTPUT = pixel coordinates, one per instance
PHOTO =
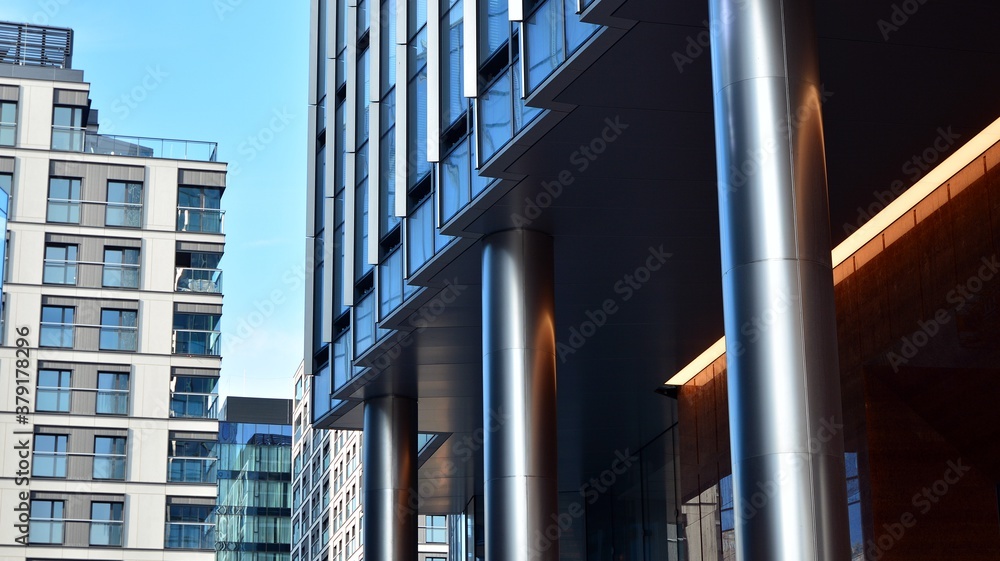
(390, 479)
(519, 397)
(784, 380)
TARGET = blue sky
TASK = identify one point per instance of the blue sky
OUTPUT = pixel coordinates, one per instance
(228, 71)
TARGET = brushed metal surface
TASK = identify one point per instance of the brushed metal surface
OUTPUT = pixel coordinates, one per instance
(519, 389)
(390, 479)
(784, 392)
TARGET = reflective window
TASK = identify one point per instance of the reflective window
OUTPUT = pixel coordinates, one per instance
(193, 396)
(67, 128)
(106, 521)
(109, 457)
(121, 267)
(64, 200)
(199, 209)
(8, 123)
(112, 393)
(60, 265)
(54, 393)
(124, 205)
(453, 103)
(57, 327)
(47, 521)
(49, 455)
(119, 331)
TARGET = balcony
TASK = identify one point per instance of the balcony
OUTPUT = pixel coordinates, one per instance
(53, 531)
(190, 535)
(198, 280)
(192, 470)
(144, 147)
(200, 220)
(197, 342)
(194, 405)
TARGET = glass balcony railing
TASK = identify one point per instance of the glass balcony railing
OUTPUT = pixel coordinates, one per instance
(192, 470)
(96, 532)
(119, 338)
(109, 466)
(203, 220)
(194, 405)
(197, 342)
(198, 280)
(68, 138)
(190, 535)
(120, 275)
(143, 147)
(108, 533)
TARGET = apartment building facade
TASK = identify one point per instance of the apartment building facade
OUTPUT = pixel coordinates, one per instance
(110, 349)
(327, 513)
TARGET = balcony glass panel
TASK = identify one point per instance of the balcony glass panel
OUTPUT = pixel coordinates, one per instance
(420, 235)
(112, 393)
(495, 116)
(120, 275)
(197, 342)
(67, 129)
(364, 324)
(190, 536)
(203, 220)
(198, 280)
(545, 44)
(390, 284)
(106, 533)
(192, 470)
(455, 181)
(193, 405)
(341, 363)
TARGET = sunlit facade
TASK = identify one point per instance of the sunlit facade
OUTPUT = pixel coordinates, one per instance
(109, 351)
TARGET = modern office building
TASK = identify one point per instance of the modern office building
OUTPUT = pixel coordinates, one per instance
(109, 353)
(530, 223)
(254, 515)
(327, 518)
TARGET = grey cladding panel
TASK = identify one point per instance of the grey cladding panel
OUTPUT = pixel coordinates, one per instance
(6, 165)
(69, 97)
(187, 371)
(191, 308)
(201, 178)
(8, 93)
(200, 247)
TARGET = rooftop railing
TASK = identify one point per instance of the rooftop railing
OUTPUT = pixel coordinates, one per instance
(143, 147)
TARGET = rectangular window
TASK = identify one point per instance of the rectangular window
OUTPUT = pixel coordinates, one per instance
(194, 396)
(437, 529)
(198, 271)
(109, 457)
(124, 204)
(118, 330)
(8, 123)
(60, 264)
(190, 527)
(50, 455)
(47, 521)
(121, 267)
(197, 334)
(106, 521)
(64, 200)
(112, 393)
(67, 128)
(192, 461)
(198, 210)
(54, 393)
(57, 327)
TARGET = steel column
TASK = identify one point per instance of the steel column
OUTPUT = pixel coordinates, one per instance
(519, 396)
(390, 479)
(784, 380)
